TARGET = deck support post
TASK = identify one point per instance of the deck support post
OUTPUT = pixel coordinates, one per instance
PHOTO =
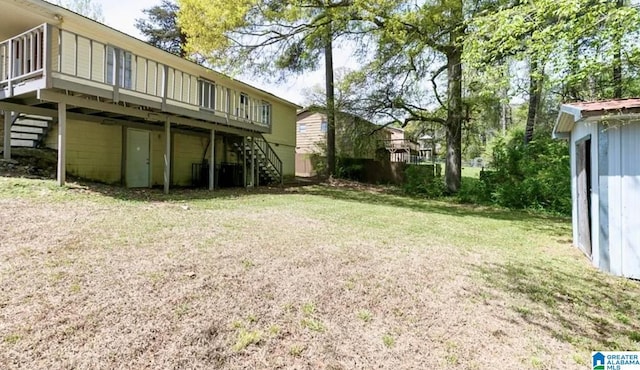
(167, 155)
(253, 162)
(244, 160)
(8, 118)
(212, 160)
(62, 143)
(257, 167)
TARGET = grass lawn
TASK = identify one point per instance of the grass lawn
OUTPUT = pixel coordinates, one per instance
(330, 277)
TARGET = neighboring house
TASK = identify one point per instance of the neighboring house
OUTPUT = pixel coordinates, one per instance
(401, 149)
(119, 110)
(604, 142)
(355, 138)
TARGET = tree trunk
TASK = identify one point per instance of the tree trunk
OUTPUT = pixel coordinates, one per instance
(535, 92)
(617, 61)
(331, 111)
(453, 126)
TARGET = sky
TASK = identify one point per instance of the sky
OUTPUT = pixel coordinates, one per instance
(121, 15)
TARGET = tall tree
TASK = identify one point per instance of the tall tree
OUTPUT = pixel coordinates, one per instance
(161, 28)
(411, 38)
(88, 8)
(536, 81)
(286, 35)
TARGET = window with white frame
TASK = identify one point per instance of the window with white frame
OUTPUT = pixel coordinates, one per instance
(207, 93)
(125, 68)
(323, 126)
(243, 108)
(265, 114)
(302, 128)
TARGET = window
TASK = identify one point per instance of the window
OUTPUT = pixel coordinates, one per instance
(243, 109)
(323, 126)
(125, 71)
(302, 128)
(265, 114)
(207, 94)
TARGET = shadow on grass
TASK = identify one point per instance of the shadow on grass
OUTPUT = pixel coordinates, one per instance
(553, 225)
(344, 191)
(156, 194)
(573, 302)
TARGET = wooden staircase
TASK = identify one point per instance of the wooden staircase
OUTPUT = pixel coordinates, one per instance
(269, 165)
(29, 131)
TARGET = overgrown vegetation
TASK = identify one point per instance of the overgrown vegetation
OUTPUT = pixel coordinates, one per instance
(534, 176)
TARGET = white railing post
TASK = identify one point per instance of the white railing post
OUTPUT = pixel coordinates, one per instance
(47, 55)
(10, 70)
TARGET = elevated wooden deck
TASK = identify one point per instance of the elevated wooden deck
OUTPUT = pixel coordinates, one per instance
(50, 65)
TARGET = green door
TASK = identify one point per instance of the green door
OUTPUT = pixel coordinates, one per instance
(138, 158)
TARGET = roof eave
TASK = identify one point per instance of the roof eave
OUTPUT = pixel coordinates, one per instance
(567, 118)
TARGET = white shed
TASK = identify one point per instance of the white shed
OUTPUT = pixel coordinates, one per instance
(604, 142)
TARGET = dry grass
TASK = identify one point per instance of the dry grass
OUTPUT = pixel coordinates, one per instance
(332, 277)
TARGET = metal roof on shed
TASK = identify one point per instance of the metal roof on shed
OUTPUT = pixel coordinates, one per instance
(571, 113)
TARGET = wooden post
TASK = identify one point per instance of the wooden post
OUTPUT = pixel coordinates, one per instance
(62, 143)
(244, 160)
(253, 162)
(167, 155)
(8, 117)
(212, 160)
(257, 170)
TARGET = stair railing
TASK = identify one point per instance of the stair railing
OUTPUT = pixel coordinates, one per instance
(270, 155)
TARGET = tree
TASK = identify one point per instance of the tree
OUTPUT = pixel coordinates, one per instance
(583, 44)
(161, 28)
(88, 8)
(270, 35)
(411, 37)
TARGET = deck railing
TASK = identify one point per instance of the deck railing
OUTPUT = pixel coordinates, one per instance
(399, 144)
(270, 155)
(23, 57)
(80, 59)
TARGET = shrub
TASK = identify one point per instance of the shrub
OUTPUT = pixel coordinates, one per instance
(350, 168)
(420, 179)
(533, 176)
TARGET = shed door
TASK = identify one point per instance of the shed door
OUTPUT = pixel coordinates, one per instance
(583, 179)
(137, 158)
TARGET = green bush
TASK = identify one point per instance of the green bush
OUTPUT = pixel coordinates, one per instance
(420, 180)
(534, 176)
(350, 168)
(474, 191)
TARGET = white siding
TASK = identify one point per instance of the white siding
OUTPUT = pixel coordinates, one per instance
(615, 200)
(97, 62)
(84, 58)
(630, 199)
(68, 53)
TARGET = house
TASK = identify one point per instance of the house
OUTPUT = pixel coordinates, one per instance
(119, 110)
(402, 149)
(604, 141)
(355, 138)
